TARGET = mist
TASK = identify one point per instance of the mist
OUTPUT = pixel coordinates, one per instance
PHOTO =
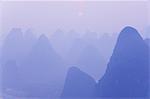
(74, 49)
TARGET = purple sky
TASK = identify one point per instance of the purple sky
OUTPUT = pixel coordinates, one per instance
(101, 17)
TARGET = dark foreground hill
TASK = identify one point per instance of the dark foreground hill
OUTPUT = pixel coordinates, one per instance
(127, 73)
(78, 84)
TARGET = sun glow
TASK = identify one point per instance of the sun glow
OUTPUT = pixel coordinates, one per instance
(81, 11)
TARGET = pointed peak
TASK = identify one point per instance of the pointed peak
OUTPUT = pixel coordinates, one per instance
(16, 31)
(15, 34)
(129, 33)
(43, 38)
(128, 30)
(59, 31)
(78, 73)
(73, 68)
(29, 32)
(43, 41)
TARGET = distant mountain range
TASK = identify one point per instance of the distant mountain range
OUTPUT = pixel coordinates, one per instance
(37, 67)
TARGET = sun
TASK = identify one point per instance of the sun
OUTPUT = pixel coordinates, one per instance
(81, 7)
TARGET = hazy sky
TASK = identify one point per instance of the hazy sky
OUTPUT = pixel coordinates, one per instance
(98, 16)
